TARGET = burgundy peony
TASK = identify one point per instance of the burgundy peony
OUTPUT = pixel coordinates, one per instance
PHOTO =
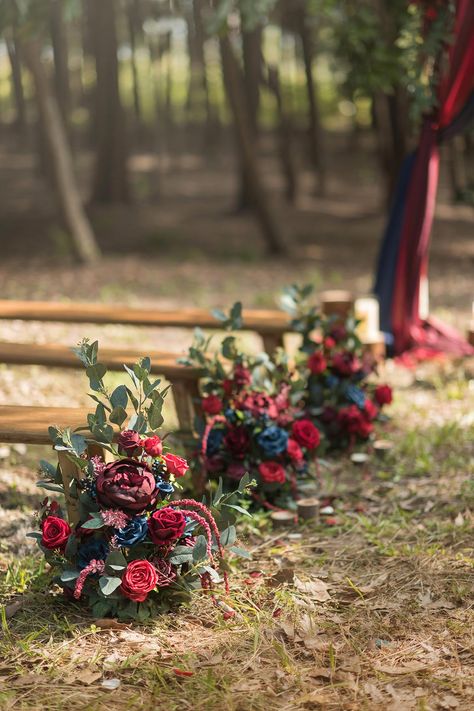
(153, 446)
(258, 404)
(140, 578)
(212, 405)
(56, 532)
(236, 470)
(306, 434)
(383, 395)
(345, 363)
(176, 465)
(351, 419)
(166, 525)
(166, 572)
(294, 450)
(317, 363)
(130, 442)
(272, 473)
(128, 485)
(215, 464)
(237, 441)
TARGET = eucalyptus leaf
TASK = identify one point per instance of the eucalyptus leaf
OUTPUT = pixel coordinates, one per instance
(109, 584)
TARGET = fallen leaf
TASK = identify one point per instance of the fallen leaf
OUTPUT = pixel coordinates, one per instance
(408, 668)
(111, 684)
(375, 693)
(459, 520)
(85, 676)
(320, 673)
(106, 624)
(317, 589)
(284, 575)
(183, 672)
(13, 608)
(448, 702)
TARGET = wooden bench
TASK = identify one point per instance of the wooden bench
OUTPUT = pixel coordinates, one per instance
(270, 324)
(29, 425)
(184, 379)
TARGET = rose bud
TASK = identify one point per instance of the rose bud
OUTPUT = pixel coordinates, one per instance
(306, 434)
(383, 395)
(212, 405)
(176, 465)
(130, 442)
(153, 446)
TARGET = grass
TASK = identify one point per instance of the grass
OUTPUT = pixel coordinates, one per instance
(374, 611)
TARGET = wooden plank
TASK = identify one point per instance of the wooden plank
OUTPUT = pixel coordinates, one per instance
(56, 355)
(29, 425)
(262, 321)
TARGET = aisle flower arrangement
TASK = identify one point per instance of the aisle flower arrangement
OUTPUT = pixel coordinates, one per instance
(341, 398)
(252, 419)
(134, 551)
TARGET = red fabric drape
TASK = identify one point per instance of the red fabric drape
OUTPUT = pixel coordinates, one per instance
(455, 87)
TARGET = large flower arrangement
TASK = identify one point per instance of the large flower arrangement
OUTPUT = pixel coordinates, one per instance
(340, 396)
(252, 420)
(133, 551)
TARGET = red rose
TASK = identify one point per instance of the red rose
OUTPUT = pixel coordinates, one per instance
(242, 376)
(317, 363)
(130, 442)
(306, 434)
(371, 410)
(227, 386)
(294, 450)
(350, 418)
(139, 579)
(153, 446)
(56, 532)
(345, 363)
(272, 473)
(236, 470)
(176, 465)
(212, 405)
(383, 395)
(237, 441)
(329, 343)
(128, 485)
(365, 428)
(166, 525)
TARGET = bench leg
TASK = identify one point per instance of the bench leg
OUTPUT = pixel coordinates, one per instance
(271, 342)
(184, 393)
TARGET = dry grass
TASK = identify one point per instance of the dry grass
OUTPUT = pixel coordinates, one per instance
(373, 613)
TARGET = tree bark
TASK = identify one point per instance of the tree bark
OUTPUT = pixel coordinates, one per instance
(285, 138)
(236, 94)
(315, 127)
(60, 156)
(13, 48)
(60, 52)
(111, 182)
(133, 20)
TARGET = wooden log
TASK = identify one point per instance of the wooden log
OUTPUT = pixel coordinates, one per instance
(282, 519)
(382, 447)
(272, 341)
(308, 509)
(337, 303)
(70, 473)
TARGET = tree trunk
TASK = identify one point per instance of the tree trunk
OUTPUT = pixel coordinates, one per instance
(61, 64)
(13, 48)
(133, 20)
(236, 94)
(285, 138)
(111, 182)
(315, 127)
(211, 114)
(60, 157)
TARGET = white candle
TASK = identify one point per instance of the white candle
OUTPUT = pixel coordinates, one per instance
(367, 311)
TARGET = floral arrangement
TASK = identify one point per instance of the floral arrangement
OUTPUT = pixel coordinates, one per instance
(340, 398)
(129, 549)
(252, 419)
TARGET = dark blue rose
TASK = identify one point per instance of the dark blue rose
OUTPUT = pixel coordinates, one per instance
(230, 415)
(355, 395)
(332, 381)
(273, 441)
(214, 441)
(165, 488)
(134, 532)
(94, 549)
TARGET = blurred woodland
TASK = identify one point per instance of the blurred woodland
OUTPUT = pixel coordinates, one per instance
(259, 108)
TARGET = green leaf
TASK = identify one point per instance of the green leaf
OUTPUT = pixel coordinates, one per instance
(116, 560)
(35, 534)
(238, 508)
(69, 574)
(148, 387)
(95, 373)
(118, 415)
(155, 418)
(49, 486)
(48, 468)
(119, 397)
(79, 444)
(243, 483)
(219, 315)
(228, 536)
(241, 552)
(109, 584)
(218, 494)
(95, 522)
(200, 549)
(132, 375)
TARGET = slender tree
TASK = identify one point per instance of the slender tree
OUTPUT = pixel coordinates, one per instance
(61, 60)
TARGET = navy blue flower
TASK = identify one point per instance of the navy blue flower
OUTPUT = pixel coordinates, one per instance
(134, 532)
(230, 415)
(214, 441)
(165, 488)
(355, 395)
(93, 549)
(273, 441)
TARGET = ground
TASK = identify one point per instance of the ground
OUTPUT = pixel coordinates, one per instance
(372, 612)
